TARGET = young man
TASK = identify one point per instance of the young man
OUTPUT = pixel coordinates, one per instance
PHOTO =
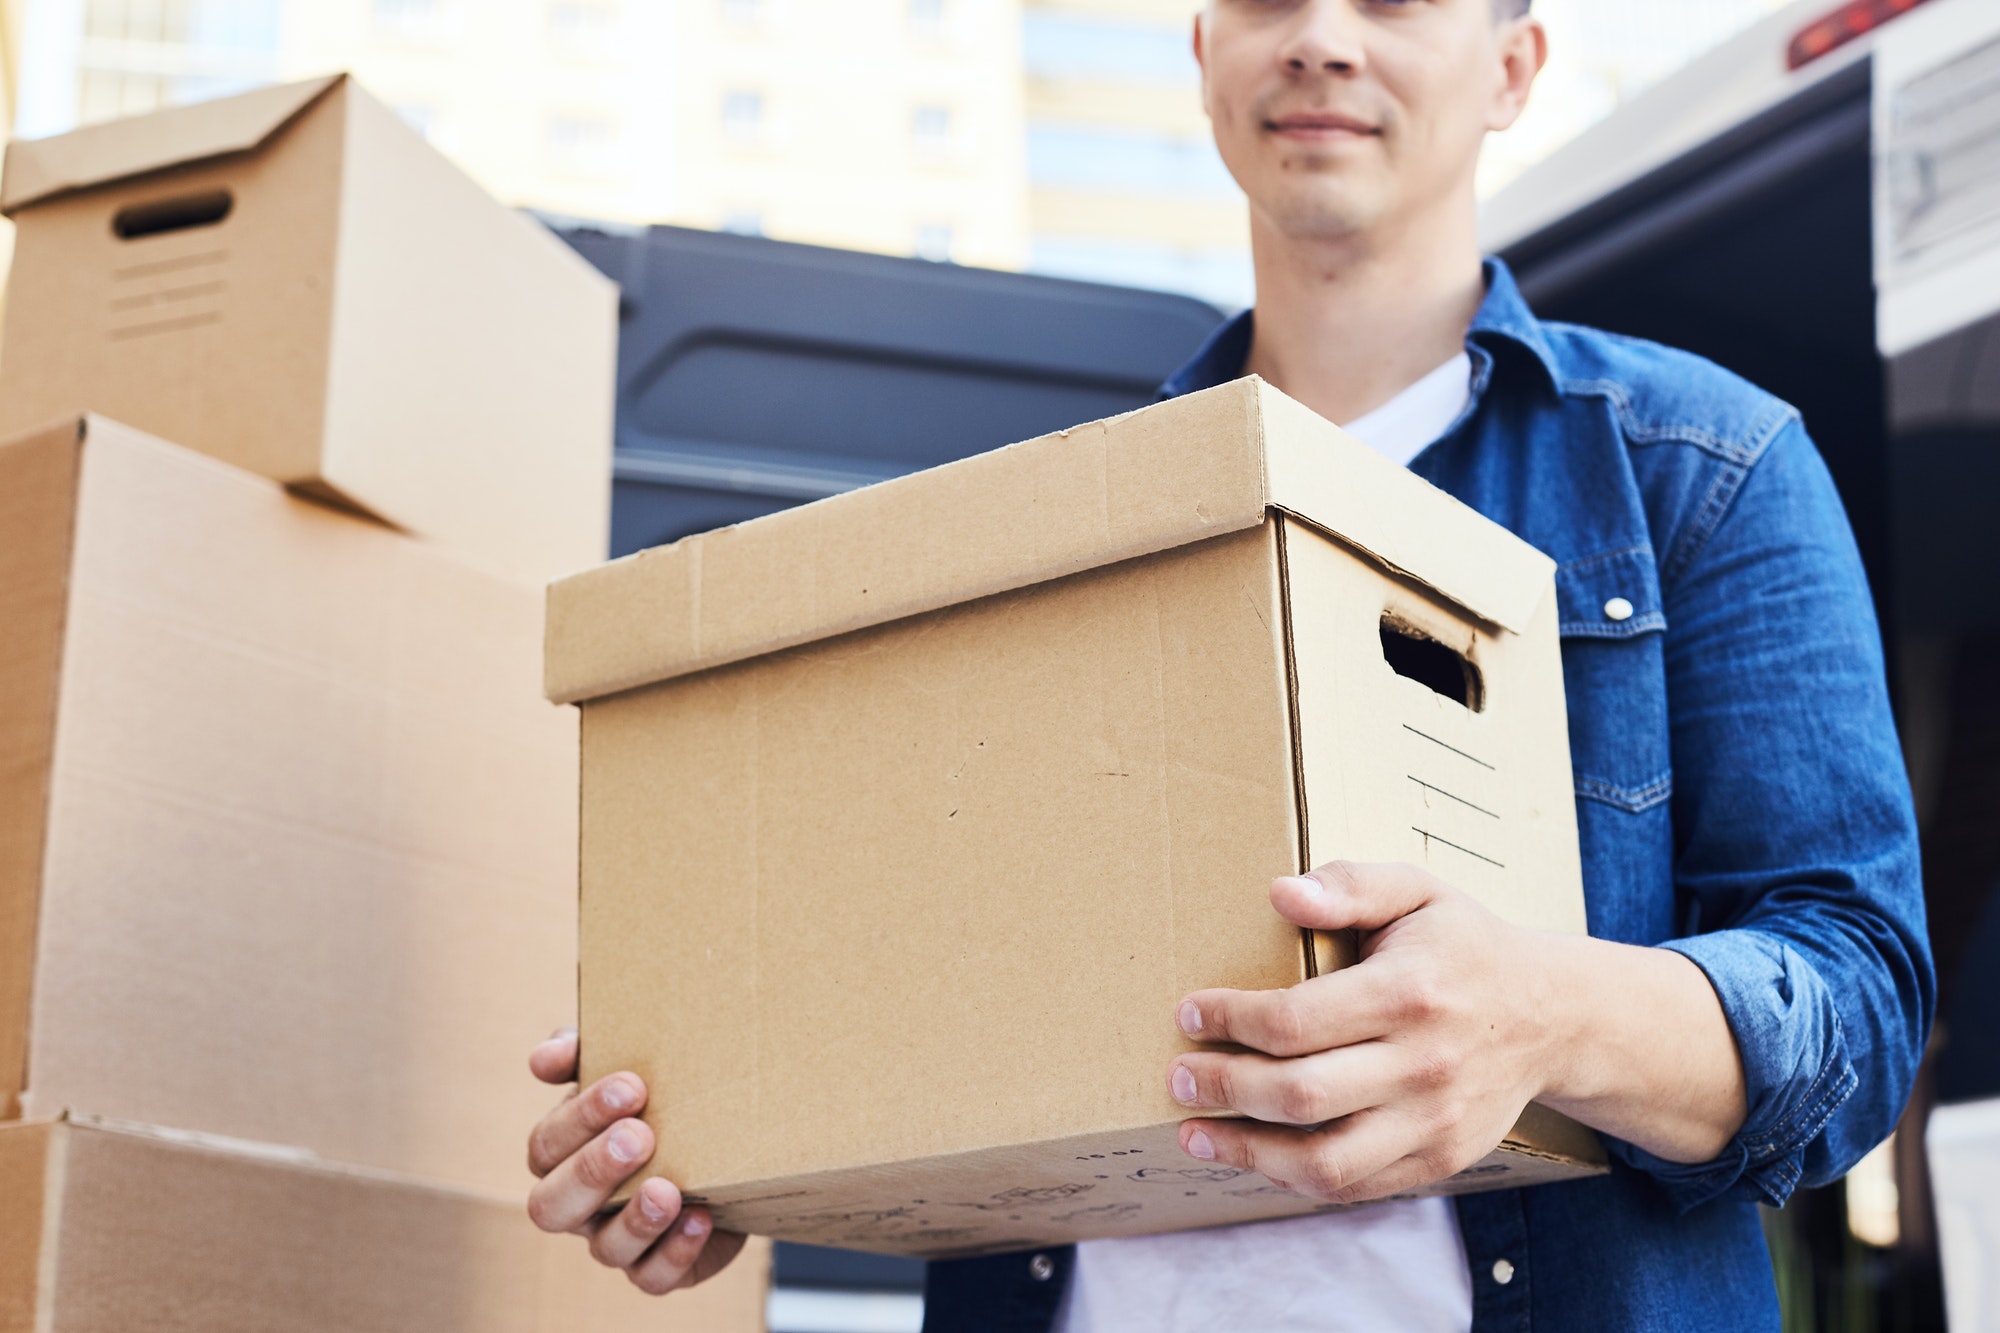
(1748, 1013)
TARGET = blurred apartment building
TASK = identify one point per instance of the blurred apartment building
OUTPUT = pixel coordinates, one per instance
(1124, 181)
(888, 125)
(1065, 136)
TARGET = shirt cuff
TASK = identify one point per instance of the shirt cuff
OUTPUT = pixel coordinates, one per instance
(1796, 1070)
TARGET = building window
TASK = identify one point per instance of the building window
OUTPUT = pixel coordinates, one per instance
(583, 145)
(743, 115)
(930, 130)
(743, 13)
(581, 21)
(421, 21)
(927, 18)
(421, 118)
(933, 241)
(406, 13)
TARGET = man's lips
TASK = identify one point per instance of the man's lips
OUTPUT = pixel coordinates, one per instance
(1320, 126)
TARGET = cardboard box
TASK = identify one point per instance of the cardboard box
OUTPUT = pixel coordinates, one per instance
(293, 281)
(106, 1228)
(908, 815)
(287, 835)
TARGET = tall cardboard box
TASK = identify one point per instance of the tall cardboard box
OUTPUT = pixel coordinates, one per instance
(293, 281)
(287, 835)
(908, 815)
(108, 1228)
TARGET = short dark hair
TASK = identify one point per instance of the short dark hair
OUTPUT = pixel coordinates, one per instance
(1510, 9)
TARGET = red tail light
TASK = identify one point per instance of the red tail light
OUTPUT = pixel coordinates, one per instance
(1854, 19)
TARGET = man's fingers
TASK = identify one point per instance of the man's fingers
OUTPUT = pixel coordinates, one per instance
(581, 1118)
(1402, 1177)
(1352, 1005)
(673, 1262)
(722, 1247)
(1354, 895)
(1333, 1164)
(554, 1059)
(1306, 1091)
(631, 1231)
(569, 1196)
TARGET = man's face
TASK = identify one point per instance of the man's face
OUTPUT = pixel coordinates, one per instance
(1340, 116)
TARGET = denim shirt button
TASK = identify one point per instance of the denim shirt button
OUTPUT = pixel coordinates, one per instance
(1618, 609)
(1503, 1271)
(1042, 1268)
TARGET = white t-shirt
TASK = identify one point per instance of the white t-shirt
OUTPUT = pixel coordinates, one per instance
(1390, 1265)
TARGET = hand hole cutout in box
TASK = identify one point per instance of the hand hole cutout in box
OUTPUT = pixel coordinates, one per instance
(1415, 655)
(179, 213)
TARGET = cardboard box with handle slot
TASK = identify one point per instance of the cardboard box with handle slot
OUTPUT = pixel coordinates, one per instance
(293, 281)
(910, 813)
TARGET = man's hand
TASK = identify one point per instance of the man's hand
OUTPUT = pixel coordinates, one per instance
(1412, 1064)
(584, 1149)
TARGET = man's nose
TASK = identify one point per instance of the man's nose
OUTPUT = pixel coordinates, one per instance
(1325, 38)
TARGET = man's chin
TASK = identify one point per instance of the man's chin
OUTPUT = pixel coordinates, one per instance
(1319, 215)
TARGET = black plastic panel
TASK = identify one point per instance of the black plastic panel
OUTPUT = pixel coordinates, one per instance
(753, 374)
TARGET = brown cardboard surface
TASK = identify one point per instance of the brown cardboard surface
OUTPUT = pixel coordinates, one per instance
(395, 340)
(1196, 467)
(893, 919)
(1482, 799)
(38, 169)
(37, 514)
(145, 1231)
(307, 871)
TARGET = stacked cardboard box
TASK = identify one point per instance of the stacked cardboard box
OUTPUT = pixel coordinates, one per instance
(287, 835)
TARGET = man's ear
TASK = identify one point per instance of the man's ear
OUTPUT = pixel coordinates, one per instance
(1523, 50)
(1201, 55)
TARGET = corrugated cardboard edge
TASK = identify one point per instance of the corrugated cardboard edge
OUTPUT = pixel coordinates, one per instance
(31, 1191)
(42, 169)
(39, 475)
(1196, 467)
(1060, 504)
(1330, 481)
(1541, 1132)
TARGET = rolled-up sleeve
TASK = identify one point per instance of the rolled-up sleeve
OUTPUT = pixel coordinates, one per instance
(1796, 867)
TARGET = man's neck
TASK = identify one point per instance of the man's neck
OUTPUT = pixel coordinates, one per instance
(1344, 325)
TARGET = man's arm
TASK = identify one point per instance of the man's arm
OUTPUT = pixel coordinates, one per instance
(1423, 1055)
(1772, 1045)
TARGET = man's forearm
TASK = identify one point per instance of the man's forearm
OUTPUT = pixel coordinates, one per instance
(1639, 1048)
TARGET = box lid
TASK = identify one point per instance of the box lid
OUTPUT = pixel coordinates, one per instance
(1195, 467)
(39, 169)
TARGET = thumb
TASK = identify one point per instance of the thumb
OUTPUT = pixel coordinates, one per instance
(1354, 895)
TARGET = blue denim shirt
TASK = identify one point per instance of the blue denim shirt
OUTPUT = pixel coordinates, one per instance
(1740, 797)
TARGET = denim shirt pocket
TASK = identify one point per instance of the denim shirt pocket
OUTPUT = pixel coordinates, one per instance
(1614, 672)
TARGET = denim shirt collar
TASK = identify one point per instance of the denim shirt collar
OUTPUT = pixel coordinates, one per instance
(1503, 317)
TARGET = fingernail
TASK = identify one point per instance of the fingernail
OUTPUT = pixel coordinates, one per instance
(1200, 1147)
(1183, 1083)
(560, 1034)
(1305, 884)
(625, 1145)
(620, 1095)
(653, 1212)
(1190, 1017)
(696, 1226)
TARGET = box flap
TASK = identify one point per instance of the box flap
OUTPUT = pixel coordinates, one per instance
(1330, 480)
(1181, 471)
(39, 169)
